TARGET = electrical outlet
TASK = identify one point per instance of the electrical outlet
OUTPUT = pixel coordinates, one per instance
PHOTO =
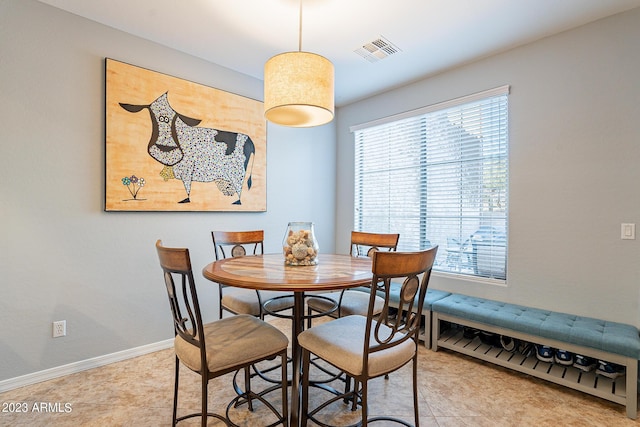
(59, 328)
(628, 232)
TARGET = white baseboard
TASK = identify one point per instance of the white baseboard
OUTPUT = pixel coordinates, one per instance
(83, 365)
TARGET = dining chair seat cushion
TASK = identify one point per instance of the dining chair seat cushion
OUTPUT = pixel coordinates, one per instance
(341, 343)
(353, 303)
(232, 341)
(245, 301)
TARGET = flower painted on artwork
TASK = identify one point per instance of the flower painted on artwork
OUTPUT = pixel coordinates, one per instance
(133, 184)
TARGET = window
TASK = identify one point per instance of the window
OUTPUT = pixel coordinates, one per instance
(439, 176)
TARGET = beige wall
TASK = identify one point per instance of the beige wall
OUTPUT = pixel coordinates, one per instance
(574, 165)
(62, 257)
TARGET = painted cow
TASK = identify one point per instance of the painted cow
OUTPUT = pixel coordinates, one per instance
(197, 154)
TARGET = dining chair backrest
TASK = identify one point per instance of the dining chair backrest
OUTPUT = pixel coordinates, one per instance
(364, 244)
(183, 298)
(389, 338)
(413, 269)
(352, 301)
(237, 243)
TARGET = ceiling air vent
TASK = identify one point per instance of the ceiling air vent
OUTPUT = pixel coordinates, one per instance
(377, 49)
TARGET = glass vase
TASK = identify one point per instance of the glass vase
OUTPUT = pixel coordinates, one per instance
(300, 246)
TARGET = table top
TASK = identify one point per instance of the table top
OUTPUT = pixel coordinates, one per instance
(268, 272)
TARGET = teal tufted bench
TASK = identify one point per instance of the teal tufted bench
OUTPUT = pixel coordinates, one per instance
(614, 342)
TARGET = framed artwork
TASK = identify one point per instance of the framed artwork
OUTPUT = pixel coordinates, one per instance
(175, 145)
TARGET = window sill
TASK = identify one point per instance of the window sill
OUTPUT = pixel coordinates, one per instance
(469, 278)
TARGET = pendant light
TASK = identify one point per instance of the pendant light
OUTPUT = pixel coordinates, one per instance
(298, 88)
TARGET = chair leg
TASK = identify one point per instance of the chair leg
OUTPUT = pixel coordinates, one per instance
(285, 402)
(175, 393)
(415, 391)
(247, 387)
(365, 413)
(205, 398)
(304, 410)
(347, 387)
(354, 398)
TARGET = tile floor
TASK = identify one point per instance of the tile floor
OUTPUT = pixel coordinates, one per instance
(454, 390)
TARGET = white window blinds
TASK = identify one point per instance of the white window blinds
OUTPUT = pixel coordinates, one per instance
(439, 176)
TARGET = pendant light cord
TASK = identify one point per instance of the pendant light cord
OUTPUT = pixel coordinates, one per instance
(300, 30)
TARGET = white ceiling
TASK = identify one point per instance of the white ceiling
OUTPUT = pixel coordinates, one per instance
(433, 35)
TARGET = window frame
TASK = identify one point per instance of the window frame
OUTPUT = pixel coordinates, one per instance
(499, 235)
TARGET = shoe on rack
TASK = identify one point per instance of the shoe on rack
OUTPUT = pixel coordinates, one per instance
(508, 343)
(544, 353)
(490, 338)
(584, 363)
(469, 333)
(526, 348)
(609, 370)
(563, 357)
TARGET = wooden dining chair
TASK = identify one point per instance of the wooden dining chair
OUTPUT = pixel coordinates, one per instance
(246, 301)
(354, 301)
(366, 347)
(219, 347)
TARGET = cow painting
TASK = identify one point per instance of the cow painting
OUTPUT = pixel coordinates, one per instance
(197, 154)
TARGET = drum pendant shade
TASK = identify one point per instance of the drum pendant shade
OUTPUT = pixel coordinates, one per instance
(298, 89)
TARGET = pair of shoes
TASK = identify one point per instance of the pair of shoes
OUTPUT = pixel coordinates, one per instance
(584, 363)
(469, 333)
(526, 348)
(509, 344)
(490, 338)
(563, 357)
(544, 353)
(550, 355)
(609, 370)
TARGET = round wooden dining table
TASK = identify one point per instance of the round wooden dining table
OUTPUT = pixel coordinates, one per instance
(269, 272)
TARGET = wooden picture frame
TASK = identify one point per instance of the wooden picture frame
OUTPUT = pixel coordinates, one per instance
(175, 145)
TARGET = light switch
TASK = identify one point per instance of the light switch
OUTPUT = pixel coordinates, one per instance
(628, 232)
